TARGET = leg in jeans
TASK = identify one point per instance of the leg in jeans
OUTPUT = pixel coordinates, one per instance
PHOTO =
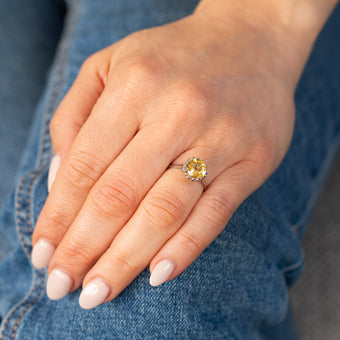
(237, 288)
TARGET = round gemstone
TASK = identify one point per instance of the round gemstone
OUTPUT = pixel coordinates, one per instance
(195, 169)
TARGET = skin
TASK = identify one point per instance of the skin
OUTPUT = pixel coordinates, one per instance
(219, 85)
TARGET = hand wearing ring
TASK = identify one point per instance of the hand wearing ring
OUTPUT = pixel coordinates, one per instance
(138, 111)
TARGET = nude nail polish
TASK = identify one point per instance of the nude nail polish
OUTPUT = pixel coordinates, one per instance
(42, 253)
(58, 284)
(161, 272)
(93, 294)
(54, 167)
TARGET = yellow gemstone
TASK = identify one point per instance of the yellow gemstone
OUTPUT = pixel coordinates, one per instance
(195, 168)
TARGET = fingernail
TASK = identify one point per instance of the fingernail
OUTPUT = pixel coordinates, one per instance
(161, 272)
(58, 284)
(93, 294)
(54, 167)
(42, 253)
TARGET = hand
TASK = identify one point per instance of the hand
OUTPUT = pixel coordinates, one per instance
(220, 91)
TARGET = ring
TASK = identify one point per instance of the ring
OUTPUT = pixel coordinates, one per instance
(194, 169)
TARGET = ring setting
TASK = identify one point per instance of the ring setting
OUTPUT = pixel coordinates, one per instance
(194, 169)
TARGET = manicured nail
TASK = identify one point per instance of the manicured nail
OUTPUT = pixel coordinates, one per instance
(58, 284)
(161, 272)
(93, 294)
(42, 253)
(54, 167)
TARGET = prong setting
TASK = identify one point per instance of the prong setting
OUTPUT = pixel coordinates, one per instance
(195, 169)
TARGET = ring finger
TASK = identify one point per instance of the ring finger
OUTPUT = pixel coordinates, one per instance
(157, 218)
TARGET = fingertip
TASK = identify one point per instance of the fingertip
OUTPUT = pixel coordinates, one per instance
(58, 284)
(93, 294)
(42, 253)
(161, 272)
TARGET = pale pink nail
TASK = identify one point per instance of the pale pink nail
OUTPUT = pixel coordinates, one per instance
(93, 294)
(54, 167)
(161, 272)
(42, 253)
(58, 284)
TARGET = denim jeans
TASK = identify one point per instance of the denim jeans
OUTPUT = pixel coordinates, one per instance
(238, 287)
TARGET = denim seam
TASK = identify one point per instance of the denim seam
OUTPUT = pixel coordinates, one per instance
(20, 232)
(41, 287)
(319, 180)
(294, 266)
(297, 227)
(45, 150)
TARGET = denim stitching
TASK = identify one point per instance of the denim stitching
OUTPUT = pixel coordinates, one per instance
(24, 311)
(30, 304)
(18, 207)
(19, 223)
(28, 213)
(44, 145)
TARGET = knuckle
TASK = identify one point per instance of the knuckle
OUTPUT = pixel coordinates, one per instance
(115, 198)
(83, 169)
(218, 208)
(55, 222)
(126, 267)
(95, 67)
(76, 252)
(193, 94)
(191, 102)
(90, 62)
(164, 209)
(190, 241)
(142, 71)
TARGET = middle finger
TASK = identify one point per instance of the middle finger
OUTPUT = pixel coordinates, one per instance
(111, 202)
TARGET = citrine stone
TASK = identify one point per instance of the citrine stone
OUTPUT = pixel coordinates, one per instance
(195, 169)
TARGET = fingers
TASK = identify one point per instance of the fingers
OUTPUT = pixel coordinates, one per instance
(99, 142)
(208, 218)
(168, 219)
(110, 127)
(158, 217)
(68, 119)
(111, 203)
(158, 222)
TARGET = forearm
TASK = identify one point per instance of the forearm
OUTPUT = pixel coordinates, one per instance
(294, 24)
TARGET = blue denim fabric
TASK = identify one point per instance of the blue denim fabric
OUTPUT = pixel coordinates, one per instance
(29, 32)
(237, 288)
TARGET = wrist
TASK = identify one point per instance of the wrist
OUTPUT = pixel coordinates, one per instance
(290, 27)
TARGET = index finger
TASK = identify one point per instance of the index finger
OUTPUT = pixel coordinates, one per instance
(105, 133)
